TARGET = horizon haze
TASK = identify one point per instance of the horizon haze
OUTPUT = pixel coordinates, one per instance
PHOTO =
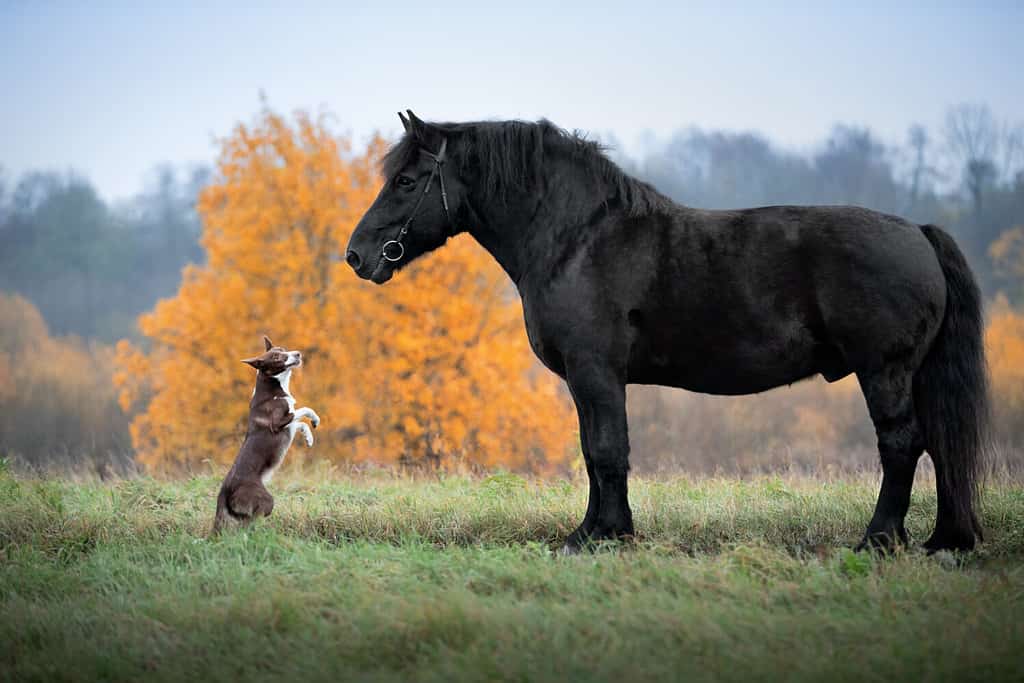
(112, 91)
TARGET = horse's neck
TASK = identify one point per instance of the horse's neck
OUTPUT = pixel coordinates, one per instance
(507, 246)
(522, 236)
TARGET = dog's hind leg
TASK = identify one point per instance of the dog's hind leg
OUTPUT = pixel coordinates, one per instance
(250, 501)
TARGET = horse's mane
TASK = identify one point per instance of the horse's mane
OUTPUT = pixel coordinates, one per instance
(517, 155)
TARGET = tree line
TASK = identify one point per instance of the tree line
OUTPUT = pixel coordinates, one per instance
(93, 268)
(967, 177)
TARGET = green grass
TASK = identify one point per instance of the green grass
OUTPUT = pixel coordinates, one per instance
(389, 579)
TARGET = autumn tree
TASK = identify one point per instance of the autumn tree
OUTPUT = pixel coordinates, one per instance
(1004, 339)
(432, 368)
(58, 410)
(1007, 254)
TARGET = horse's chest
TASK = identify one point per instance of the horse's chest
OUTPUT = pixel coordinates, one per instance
(539, 332)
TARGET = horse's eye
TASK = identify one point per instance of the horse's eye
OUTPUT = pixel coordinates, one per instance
(404, 181)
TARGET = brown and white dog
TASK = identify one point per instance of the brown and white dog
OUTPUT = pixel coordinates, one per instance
(273, 423)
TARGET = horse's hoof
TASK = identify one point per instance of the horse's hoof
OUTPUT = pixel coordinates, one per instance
(575, 544)
(876, 545)
(884, 548)
(963, 541)
(884, 542)
(569, 550)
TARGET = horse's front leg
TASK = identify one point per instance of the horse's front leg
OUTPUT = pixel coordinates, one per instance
(578, 538)
(600, 395)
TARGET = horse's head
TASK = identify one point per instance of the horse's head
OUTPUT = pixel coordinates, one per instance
(413, 213)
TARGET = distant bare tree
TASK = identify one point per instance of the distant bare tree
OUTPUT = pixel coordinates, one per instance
(855, 168)
(973, 137)
(1013, 149)
(921, 173)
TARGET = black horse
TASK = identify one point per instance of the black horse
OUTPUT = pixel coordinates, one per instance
(621, 285)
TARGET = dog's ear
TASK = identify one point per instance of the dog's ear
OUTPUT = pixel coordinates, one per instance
(256, 362)
(266, 340)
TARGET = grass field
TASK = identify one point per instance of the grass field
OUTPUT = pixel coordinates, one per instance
(374, 577)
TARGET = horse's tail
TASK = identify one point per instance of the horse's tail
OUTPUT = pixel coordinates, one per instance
(952, 400)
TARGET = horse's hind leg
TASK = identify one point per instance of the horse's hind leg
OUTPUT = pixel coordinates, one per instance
(890, 402)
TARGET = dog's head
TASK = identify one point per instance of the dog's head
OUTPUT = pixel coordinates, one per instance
(275, 360)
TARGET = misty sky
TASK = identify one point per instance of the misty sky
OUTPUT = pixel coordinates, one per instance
(111, 89)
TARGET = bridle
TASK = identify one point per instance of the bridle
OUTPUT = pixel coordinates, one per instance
(395, 246)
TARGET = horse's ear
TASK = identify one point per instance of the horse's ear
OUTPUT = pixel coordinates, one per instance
(418, 127)
(405, 121)
(429, 136)
(266, 341)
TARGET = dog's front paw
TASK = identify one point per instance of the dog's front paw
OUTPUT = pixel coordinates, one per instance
(309, 438)
(314, 419)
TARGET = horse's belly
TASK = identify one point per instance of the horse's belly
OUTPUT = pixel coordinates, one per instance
(719, 383)
(732, 368)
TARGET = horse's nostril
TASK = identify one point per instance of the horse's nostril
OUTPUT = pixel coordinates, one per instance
(352, 258)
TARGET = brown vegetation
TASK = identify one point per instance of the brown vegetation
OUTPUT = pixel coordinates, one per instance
(58, 409)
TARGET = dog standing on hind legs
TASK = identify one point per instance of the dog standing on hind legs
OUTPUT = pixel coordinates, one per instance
(273, 423)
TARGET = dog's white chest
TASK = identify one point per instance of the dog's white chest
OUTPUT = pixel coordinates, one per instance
(292, 427)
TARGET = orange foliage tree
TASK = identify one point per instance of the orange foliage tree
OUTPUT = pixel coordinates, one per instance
(1004, 339)
(1007, 254)
(432, 368)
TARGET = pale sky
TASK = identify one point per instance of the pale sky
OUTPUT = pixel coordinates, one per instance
(111, 89)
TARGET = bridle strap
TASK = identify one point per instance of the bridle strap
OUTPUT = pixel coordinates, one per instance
(438, 172)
